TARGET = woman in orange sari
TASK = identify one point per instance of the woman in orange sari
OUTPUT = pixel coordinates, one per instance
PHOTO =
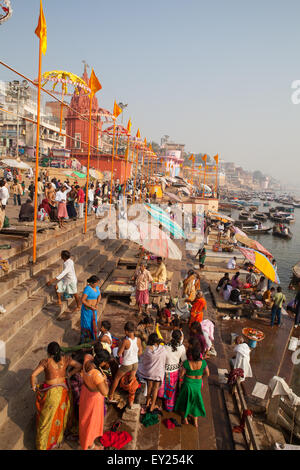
(91, 405)
(197, 309)
(53, 398)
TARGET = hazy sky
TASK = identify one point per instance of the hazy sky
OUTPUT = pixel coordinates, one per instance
(215, 75)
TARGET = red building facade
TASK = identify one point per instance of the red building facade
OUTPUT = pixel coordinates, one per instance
(77, 129)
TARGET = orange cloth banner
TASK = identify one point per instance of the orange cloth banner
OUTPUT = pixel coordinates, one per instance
(41, 30)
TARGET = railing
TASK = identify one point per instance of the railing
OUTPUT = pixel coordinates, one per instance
(281, 413)
(250, 436)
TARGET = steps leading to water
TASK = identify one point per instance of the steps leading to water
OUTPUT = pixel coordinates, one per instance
(30, 322)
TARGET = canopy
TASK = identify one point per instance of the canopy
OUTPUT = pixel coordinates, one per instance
(15, 164)
(161, 216)
(238, 230)
(207, 189)
(150, 237)
(261, 262)
(222, 217)
(253, 244)
(173, 196)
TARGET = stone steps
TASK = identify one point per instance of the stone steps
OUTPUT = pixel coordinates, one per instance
(47, 253)
(17, 401)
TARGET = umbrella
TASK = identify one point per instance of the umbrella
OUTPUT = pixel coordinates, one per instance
(222, 217)
(207, 189)
(253, 244)
(238, 230)
(173, 196)
(160, 215)
(261, 262)
(150, 237)
(15, 164)
(185, 191)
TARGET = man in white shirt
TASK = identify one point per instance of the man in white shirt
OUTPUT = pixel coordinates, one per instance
(231, 263)
(66, 280)
(4, 194)
(90, 198)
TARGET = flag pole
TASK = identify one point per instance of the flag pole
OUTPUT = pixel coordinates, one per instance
(37, 151)
(126, 163)
(88, 165)
(203, 194)
(61, 111)
(142, 170)
(136, 167)
(112, 165)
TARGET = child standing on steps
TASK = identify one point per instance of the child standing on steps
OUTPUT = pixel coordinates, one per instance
(130, 350)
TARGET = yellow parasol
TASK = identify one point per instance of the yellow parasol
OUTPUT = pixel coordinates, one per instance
(261, 262)
(65, 78)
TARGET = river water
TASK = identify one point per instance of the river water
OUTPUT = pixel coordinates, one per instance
(286, 252)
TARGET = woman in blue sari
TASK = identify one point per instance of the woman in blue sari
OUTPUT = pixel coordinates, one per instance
(90, 300)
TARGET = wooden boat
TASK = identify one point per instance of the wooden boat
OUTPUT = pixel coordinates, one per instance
(259, 231)
(260, 216)
(278, 233)
(244, 215)
(296, 271)
(252, 208)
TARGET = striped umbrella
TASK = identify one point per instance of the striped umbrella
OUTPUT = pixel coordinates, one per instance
(161, 216)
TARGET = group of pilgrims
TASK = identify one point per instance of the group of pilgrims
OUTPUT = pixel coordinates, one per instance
(159, 363)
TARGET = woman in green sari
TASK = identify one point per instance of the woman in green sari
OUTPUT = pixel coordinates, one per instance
(190, 400)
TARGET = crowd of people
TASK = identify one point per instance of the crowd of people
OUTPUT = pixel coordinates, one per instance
(60, 200)
(161, 357)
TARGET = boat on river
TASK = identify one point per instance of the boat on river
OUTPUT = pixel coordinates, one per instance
(283, 232)
(244, 215)
(257, 231)
(260, 216)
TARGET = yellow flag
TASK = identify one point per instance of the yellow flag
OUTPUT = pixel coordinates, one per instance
(204, 158)
(129, 126)
(94, 83)
(41, 29)
(216, 158)
(138, 134)
(117, 110)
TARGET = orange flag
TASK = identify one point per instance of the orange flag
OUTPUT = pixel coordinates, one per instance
(145, 141)
(216, 159)
(129, 126)
(192, 157)
(94, 83)
(117, 110)
(150, 147)
(138, 134)
(204, 158)
(41, 29)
